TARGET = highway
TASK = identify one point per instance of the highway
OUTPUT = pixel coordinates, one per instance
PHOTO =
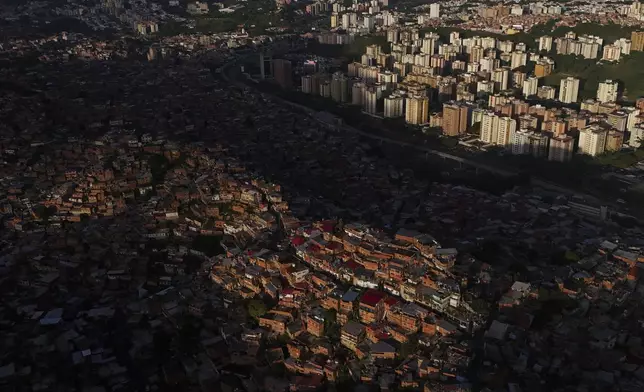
(478, 165)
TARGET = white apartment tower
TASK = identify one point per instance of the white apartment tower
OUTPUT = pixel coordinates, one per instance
(518, 59)
(530, 86)
(611, 53)
(489, 127)
(501, 77)
(506, 126)
(607, 91)
(370, 100)
(569, 90)
(357, 93)
(592, 140)
(394, 106)
(637, 136)
(545, 43)
(430, 43)
(434, 10)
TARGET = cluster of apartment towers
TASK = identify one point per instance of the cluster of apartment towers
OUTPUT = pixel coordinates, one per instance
(460, 74)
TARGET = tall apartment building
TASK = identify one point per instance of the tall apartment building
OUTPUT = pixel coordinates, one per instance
(637, 136)
(506, 126)
(561, 148)
(545, 43)
(611, 53)
(617, 120)
(489, 127)
(335, 20)
(416, 110)
(569, 90)
(497, 130)
(430, 43)
(518, 59)
(505, 46)
(614, 140)
(357, 93)
(546, 92)
(434, 10)
(325, 88)
(307, 84)
(370, 100)
(625, 45)
(637, 40)
(530, 87)
(592, 140)
(476, 54)
(518, 78)
(394, 106)
(501, 77)
(455, 118)
(340, 87)
(607, 91)
(527, 142)
(484, 88)
(283, 73)
(543, 68)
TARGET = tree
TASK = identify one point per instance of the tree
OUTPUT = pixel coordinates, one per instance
(256, 308)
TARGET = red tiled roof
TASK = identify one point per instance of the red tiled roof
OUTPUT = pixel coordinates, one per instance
(298, 240)
(391, 301)
(328, 226)
(372, 297)
(352, 265)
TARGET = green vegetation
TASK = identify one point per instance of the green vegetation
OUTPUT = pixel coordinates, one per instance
(331, 328)
(352, 51)
(210, 245)
(159, 165)
(621, 159)
(256, 17)
(609, 32)
(629, 72)
(409, 347)
(256, 308)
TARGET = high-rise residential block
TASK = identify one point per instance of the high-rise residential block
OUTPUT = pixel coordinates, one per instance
(569, 90)
(501, 77)
(607, 91)
(545, 43)
(434, 10)
(340, 87)
(592, 140)
(518, 59)
(561, 148)
(416, 110)
(455, 118)
(530, 87)
(307, 84)
(546, 92)
(611, 53)
(394, 106)
(637, 136)
(637, 40)
(357, 93)
(370, 100)
(283, 73)
(528, 142)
